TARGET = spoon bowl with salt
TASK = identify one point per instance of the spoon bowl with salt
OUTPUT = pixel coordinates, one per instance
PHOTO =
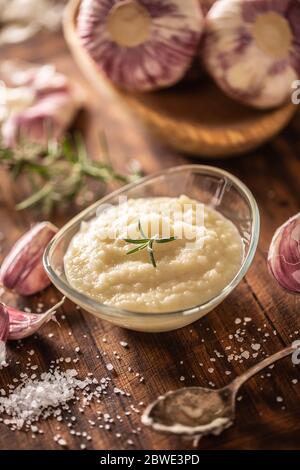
(198, 411)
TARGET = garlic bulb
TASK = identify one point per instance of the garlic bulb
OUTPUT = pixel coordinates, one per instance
(141, 44)
(22, 269)
(284, 255)
(252, 49)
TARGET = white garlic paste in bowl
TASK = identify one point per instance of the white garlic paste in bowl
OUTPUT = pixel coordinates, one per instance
(190, 270)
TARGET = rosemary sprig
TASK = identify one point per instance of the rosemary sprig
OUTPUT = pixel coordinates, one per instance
(147, 244)
(59, 173)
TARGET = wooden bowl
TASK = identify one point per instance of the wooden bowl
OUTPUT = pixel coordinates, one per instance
(196, 118)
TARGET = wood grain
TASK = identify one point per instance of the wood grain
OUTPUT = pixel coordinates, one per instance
(193, 117)
(272, 173)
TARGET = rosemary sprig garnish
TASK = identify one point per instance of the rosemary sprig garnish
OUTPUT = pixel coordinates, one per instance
(60, 173)
(147, 244)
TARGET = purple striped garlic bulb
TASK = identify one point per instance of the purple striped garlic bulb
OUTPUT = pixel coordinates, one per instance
(252, 49)
(284, 255)
(141, 45)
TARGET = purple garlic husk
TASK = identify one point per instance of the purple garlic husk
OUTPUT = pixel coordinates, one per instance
(49, 117)
(4, 331)
(22, 270)
(40, 105)
(141, 45)
(284, 255)
(206, 5)
(251, 48)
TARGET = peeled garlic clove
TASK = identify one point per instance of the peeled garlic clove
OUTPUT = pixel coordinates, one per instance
(23, 324)
(22, 270)
(252, 49)
(4, 331)
(284, 255)
(140, 44)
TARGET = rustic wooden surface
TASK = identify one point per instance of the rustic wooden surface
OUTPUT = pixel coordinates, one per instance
(273, 174)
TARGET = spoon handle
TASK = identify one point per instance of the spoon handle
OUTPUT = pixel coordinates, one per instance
(261, 365)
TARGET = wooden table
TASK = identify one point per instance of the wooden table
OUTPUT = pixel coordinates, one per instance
(273, 174)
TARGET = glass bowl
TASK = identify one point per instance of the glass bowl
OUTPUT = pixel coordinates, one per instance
(209, 185)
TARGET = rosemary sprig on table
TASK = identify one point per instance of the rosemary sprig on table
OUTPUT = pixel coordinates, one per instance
(59, 173)
(147, 244)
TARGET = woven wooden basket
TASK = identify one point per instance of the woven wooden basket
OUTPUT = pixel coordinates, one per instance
(197, 119)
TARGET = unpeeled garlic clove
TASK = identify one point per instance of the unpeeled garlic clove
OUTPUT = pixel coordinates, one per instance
(284, 255)
(22, 270)
(49, 116)
(4, 331)
(40, 107)
(23, 324)
(252, 49)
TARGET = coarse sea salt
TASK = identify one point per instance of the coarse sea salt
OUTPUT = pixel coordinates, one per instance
(33, 400)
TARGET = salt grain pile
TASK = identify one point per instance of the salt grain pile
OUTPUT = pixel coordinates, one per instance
(33, 400)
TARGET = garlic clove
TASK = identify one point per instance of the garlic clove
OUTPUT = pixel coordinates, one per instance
(141, 45)
(41, 105)
(252, 49)
(23, 324)
(22, 270)
(50, 115)
(284, 255)
(4, 331)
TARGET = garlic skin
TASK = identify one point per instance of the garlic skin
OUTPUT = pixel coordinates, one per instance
(16, 324)
(251, 49)
(23, 324)
(284, 255)
(39, 80)
(141, 45)
(206, 5)
(4, 331)
(21, 19)
(22, 270)
(38, 105)
(49, 117)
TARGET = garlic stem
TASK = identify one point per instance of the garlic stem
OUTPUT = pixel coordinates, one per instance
(273, 34)
(129, 23)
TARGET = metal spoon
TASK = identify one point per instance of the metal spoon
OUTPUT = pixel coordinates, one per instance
(197, 411)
